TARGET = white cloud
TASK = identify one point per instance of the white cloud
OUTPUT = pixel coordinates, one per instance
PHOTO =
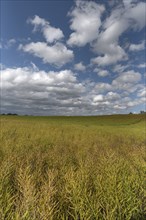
(98, 98)
(100, 72)
(57, 54)
(129, 76)
(120, 68)
(80, 66)
(119, 107)
(127, 81)
(107, 44)
(36, 21)
(85, 22)
(102, 87)
(29, 90)
(127, 3)
(142, 65)
(137, 47)
(108, 59)
(142, 92)
(36, 77)
(111, 96)
(36, 90)
(50, 33)
(136, 13)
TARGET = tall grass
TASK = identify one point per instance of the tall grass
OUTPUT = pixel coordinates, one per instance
(72, 168)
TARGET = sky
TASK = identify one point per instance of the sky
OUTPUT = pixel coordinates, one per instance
(73, 57)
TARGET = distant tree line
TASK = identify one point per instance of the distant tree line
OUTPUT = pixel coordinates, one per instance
(130, 113)
(141, 112)
(9, 114)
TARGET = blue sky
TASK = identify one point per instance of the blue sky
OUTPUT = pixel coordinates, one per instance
(73, 57)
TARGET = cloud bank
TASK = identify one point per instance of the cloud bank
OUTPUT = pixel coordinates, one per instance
(60, 93)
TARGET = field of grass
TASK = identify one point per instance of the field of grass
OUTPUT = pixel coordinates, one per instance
(65, 168)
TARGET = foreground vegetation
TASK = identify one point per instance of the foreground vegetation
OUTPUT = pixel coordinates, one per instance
(82, 168)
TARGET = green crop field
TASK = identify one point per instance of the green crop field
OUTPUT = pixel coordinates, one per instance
(65, 168)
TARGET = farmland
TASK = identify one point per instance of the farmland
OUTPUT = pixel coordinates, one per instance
(82, 168)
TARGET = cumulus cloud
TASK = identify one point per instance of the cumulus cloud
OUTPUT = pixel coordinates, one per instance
(100, 72)
(50, 33)
(98, 98)
(34, 89)
(56, 54)
(137, 47)
(120, 68)
(112, 96)
(85, 22)
(102, 87)
(53, 51)
(127, 81)
(107, 43)
(80, 66)
(107, 59)
(116, 95)
(103, 73)
(129, 76)
(136, 13)
(142, 65)
(29, 90)
(142, 92)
